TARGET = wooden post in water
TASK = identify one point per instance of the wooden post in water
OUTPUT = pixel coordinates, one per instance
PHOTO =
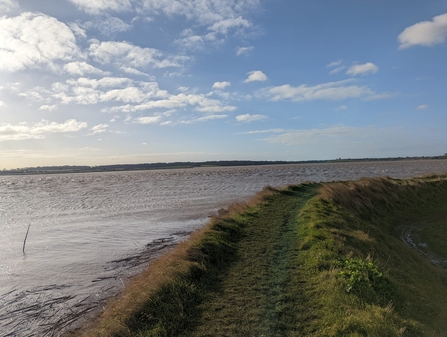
(24, 241)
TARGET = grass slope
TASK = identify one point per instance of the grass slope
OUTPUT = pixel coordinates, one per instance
(309, 260)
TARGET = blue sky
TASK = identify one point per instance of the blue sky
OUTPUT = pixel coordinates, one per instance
(91, 82)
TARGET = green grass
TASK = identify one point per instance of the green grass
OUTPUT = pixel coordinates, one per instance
(435, 235)
(260, 293)
(360, 221)
(309, 260)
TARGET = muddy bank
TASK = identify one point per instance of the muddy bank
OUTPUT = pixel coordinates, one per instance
(52, 310)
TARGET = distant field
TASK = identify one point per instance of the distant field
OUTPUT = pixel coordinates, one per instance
(332, 259)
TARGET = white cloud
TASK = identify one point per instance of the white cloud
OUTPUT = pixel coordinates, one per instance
(337, 70)
(82, 68)
(183, 89)
(187, 32)
(100, 128)
(256, 75)
(250, 118)
(224, 26)
(191, 42)
(205, 12)
(221, 85)
(244, 50)
(77, 30)
(98, 6)
(255, 132)
(361, 69)
(33, 40)
(105, 82)
(203, 119)
(334, 64)
(422, 107)
(425, 33)
(117, 89)
(201, 103)
(37, 94)
(38, 130)
(2, 104)
(107, 25)
(148, 120)
(215, 108)
(134, 71)
(48, 107)
(341, 108)
(197, 42)
(8, 6)
(126, 95)
(219, 17)
(327, 91)
(125, 54)
(211, 117)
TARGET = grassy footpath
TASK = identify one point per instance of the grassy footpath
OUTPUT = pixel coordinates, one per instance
(260, 293)
(309, 260)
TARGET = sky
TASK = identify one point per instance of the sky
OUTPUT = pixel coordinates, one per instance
(97, 82)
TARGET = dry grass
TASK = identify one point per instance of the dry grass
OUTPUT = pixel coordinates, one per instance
(360, 194)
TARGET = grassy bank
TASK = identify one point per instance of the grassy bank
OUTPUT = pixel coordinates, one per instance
(308, 260)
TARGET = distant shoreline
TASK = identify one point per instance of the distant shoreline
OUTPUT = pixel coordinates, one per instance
(185, 165)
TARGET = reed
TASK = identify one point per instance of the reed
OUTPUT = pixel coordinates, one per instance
(24, 241)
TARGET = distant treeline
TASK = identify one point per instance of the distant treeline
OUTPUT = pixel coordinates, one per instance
(160, 166)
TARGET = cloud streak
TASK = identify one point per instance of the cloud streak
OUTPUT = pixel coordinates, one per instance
(38, 130)
(250, 118)
(98, 6)
(332, 91)
(125, 54)
(244, 50)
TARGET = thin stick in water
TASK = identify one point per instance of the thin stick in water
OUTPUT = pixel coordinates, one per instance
(24, 241)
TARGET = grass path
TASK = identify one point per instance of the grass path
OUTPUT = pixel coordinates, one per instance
(256, 296)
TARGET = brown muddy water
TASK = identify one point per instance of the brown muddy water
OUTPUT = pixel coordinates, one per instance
(90, 232)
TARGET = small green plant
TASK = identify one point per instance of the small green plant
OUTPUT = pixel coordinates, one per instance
(364, 275)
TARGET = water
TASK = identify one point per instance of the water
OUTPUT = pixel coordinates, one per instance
(89, 232)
